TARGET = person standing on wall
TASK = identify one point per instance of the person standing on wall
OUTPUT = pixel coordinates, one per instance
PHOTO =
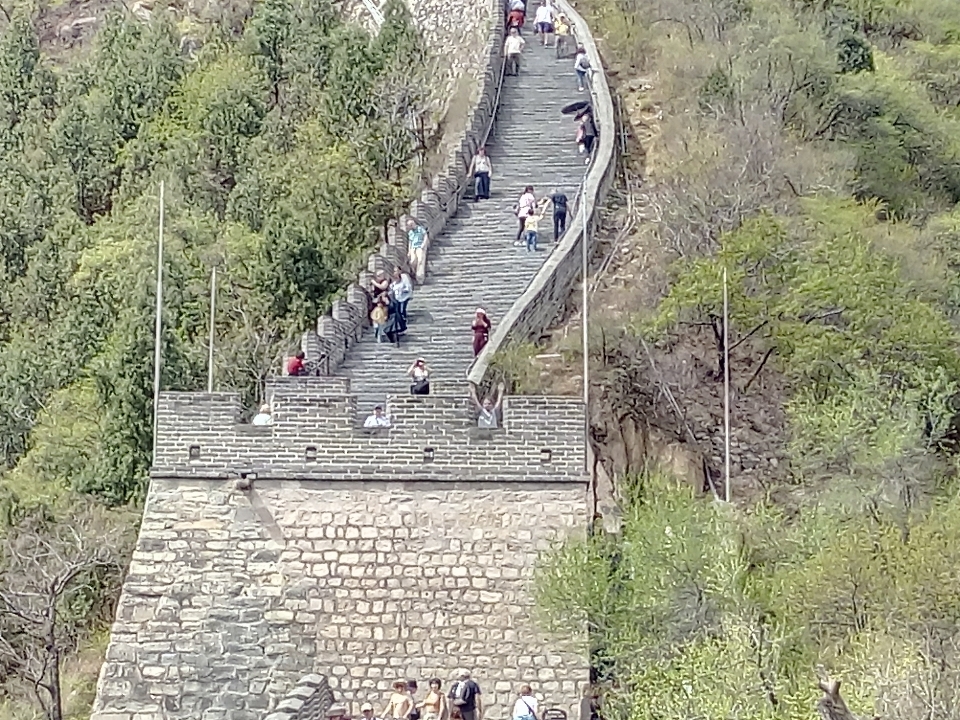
(402, 291)
(482, 171)
(512, 48)
(525, 205)
(481, 330)
(559, 202)
(581, 65)
(465, 697)
(418, 238)
(544, 22)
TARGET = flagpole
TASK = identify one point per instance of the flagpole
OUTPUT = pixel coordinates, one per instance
(726, 390)
(584, 262)
(158, 328)
(213, 317)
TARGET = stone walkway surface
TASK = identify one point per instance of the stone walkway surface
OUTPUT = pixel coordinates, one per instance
(474, 263)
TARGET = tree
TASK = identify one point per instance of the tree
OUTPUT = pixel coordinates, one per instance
(51, 571)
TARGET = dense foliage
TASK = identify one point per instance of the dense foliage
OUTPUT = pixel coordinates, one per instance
(284, 144)
(810, 151)
(282, 150)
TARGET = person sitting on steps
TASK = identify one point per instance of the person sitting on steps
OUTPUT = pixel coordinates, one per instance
(419, 372)
(377, 419)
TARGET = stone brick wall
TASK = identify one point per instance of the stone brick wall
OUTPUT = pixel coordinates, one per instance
(233, 596)
(309, 700)
(545, 298)
(458, 41)
(314, 436)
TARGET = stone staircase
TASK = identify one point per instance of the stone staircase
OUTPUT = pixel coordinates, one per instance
(475, 263)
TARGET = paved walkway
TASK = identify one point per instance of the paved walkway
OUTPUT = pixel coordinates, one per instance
(474, 263)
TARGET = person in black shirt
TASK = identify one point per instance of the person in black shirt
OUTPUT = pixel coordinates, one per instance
(465, 697)
(559, 202)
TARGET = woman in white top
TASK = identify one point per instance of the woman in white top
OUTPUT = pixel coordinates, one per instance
(525, 206)
(525, 708)
(420, 374)
(482, 171)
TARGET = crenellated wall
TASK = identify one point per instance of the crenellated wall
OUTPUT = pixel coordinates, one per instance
(314, 436)
(337, 331)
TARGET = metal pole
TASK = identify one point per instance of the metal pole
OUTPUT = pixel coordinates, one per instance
(158, 327)
(584, 260)
(726, 390)
(213, 317)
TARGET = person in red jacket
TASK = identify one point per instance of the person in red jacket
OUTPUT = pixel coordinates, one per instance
(295, 364)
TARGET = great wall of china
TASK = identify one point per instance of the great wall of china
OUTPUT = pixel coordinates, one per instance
(282, 568)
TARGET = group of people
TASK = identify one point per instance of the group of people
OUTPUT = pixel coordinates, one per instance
(547, 23)
(530, 211)
(464, 701)
(390, 298)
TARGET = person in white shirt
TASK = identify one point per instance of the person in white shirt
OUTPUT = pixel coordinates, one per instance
(378, 419)
(402, 290)
(482, 171)
(544, 23)
(366, 710)
(263, 417)
(525, 708)
(581, 64)
(419, 371)
(512, 47)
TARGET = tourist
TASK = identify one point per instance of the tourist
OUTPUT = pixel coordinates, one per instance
(400, 705)
(366, 710)
(588, 132)
(525, 708)
(525, 205)
(488, 411)
(482, 171)
(402, 291)
(516, 14)
(559, 202)
(465, 697)
(377, 419)
(561, 34)
(531, 227)
(512, 49)
(434, 705)
(295, 364)
(581, 65)
(544, 22)
(378, 317)
(263, 417)
(418, 238)
(412, 692)
(419, 372)
(481, 330)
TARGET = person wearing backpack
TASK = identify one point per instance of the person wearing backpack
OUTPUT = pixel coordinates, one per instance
(465, 697)
(525, 708)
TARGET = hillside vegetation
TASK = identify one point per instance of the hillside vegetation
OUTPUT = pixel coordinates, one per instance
(283, 148)
(811, 150)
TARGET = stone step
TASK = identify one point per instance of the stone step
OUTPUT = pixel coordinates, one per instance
(474, 262)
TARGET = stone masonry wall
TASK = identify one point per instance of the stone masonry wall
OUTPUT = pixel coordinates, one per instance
(313, 435)
(457, 42)
(234, 595)
(546, 296)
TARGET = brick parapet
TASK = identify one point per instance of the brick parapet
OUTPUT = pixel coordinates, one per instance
(314, 435)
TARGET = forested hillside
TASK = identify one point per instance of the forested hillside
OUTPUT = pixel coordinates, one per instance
(811, 150)
(283, 149)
